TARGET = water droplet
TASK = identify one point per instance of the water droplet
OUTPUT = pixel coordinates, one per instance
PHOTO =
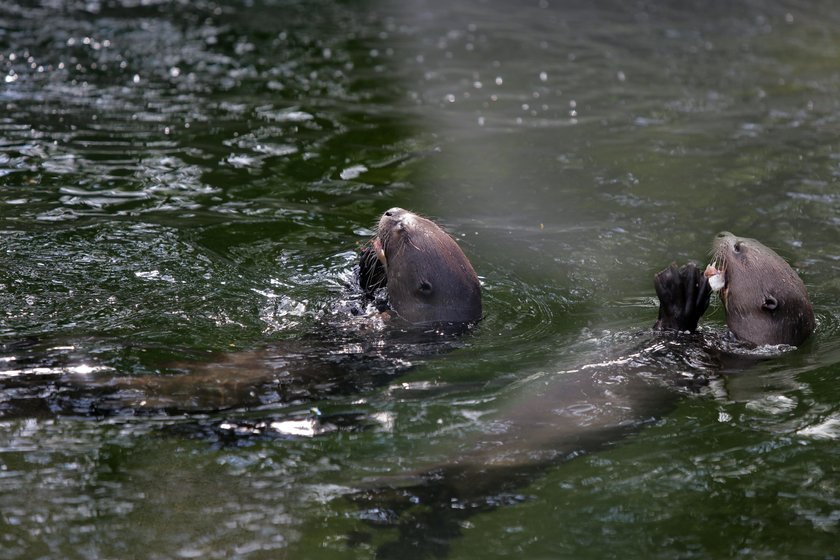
(352, 172)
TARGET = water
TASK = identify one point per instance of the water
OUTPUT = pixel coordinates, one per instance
(184, 187)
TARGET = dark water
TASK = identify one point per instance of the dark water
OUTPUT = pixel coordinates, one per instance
(183, 190)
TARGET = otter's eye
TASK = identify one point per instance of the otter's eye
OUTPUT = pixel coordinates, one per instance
(770, 303)
(425, 288)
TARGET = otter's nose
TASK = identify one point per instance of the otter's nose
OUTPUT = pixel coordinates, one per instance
(394, 211)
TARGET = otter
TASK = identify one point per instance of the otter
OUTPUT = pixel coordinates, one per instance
(766, 302)
(429, 280)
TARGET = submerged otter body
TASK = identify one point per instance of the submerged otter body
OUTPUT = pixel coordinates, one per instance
(428, 277)
(765, 300)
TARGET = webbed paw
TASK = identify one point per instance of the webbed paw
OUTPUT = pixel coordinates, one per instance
(684, 294)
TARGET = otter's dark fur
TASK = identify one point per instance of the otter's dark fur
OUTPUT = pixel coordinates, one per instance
(684, 295)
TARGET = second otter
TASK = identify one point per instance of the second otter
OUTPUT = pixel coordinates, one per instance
(765, 300)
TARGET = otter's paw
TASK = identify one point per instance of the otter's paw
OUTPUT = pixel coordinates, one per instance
(684, 294)
(371, 271)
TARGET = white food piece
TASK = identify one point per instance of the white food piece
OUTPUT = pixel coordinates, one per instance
(715, 276)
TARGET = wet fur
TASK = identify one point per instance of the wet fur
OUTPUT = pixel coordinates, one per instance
(429, 278)
(766, 302)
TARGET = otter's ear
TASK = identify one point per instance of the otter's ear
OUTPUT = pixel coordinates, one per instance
(770, 303)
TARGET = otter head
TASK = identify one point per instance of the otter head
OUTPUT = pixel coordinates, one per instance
(429, 278)
(765, 300)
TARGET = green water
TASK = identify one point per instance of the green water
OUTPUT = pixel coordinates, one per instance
(183, 191)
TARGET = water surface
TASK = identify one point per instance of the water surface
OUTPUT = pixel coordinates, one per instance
(183, 191)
